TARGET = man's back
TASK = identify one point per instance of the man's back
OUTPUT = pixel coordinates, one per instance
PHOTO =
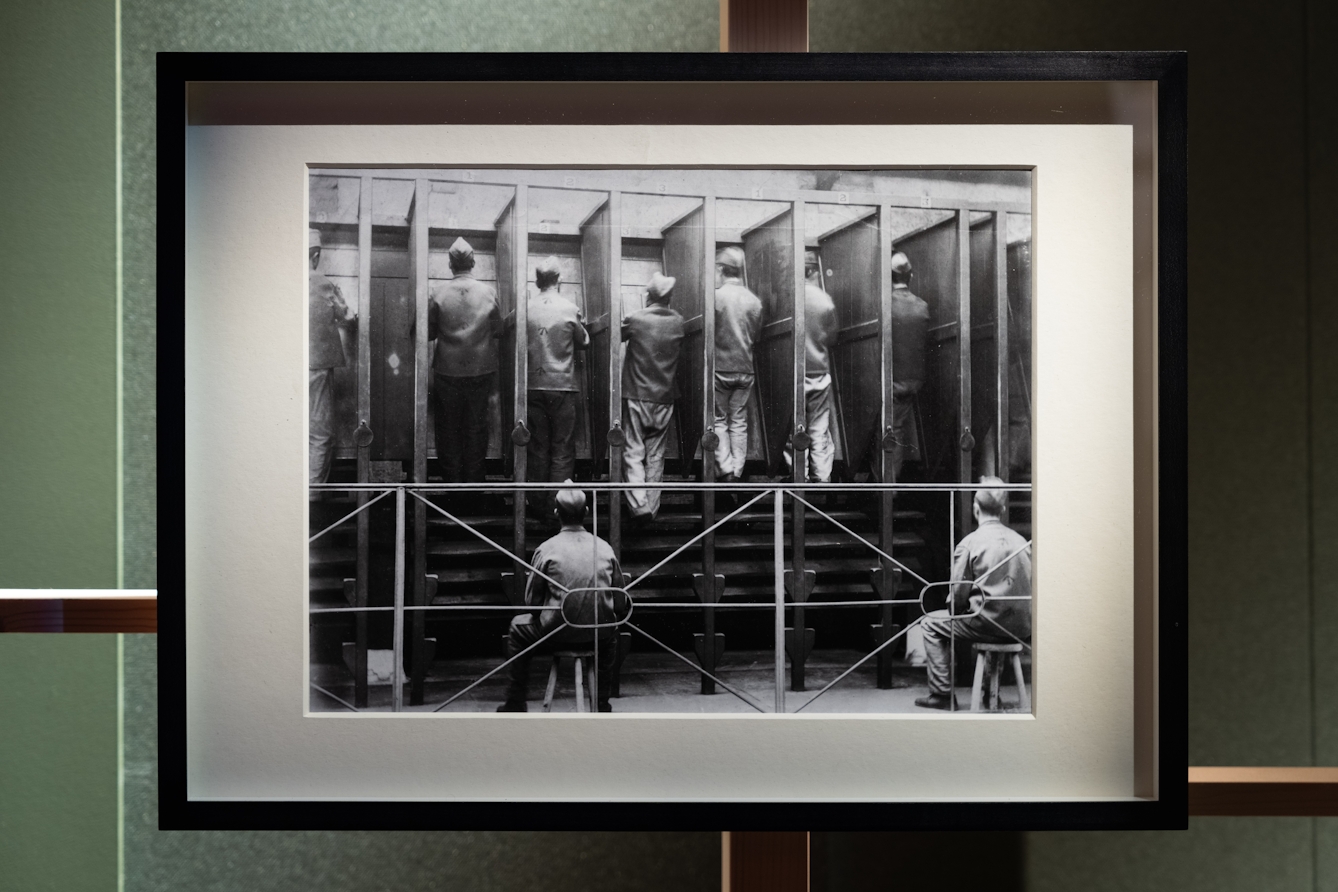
(574, 559)
(910, 329)
(820, 329)
(466, 321)
(998, 557)
(654, 336)
(555, 332)
(738, 320)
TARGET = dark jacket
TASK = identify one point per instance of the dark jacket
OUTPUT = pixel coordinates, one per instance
(738, 321)
(465, 320)
(653, 336)
(820, 330)
(555, 332)
(328, 312)
(910, 331)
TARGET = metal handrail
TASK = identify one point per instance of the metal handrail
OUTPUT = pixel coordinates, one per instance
(778, 490)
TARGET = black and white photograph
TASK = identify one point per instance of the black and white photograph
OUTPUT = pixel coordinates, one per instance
(671, 441)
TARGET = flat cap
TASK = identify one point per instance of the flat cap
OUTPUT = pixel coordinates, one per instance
(313, 238)
(900, 264)
(549, 265)
(571, 500)
(810, 258)
(660, 285)
(730, 257)
(461, 249)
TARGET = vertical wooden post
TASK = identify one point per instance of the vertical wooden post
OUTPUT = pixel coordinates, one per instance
(710, 593)
(764, 26)
(615, 278)
(418, 240)
(397, 664)
(520, 258)
(363, 436)
(797, 637)
(764, 862)
(966, 437)
(1001, 343)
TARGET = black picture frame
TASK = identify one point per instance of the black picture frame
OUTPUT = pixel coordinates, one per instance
(183, 81)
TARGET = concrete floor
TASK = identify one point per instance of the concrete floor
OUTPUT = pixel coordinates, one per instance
(658, 683)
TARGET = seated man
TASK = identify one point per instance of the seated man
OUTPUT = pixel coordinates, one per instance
(991, 562)
(574, 559)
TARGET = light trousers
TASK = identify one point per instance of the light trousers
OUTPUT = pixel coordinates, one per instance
(732, 390)
(646, 426)
(320, 440)
(818, 423)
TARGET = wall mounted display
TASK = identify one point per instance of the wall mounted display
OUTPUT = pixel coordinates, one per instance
(797, 440)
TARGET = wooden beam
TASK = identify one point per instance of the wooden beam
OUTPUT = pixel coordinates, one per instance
(764, 26)
(764, 862)
(102, 613)
(1270, 791)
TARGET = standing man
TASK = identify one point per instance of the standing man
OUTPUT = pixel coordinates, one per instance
(819, 335)
(991, 562)
(738, 320)
(653, 337)
(464, 319)
(910, 330)
(555, 331)
(328, 313)
(580, 565)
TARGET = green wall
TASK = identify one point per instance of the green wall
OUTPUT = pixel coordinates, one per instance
(1263, 431)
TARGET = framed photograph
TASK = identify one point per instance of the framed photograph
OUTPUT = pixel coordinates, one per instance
(795, 440)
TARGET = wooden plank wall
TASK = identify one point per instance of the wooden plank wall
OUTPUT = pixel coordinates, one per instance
(601, 316)
(769, 253)
(984, 347)
(506, 372)
(685, 259)
(933, 255)
(850, 275)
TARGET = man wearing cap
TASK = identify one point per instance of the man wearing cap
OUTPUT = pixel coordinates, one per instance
(738, 320)
(910, 331)
(465, 321)
(819, 335)
(555, 331)
(653, 336)
(574, 564)
(328, 312)
(991, 562)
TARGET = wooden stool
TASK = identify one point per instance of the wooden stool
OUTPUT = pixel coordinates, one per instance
(993, 655)
(585, 678)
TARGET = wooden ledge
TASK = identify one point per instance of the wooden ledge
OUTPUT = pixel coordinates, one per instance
(78, 610)
(1263, 791)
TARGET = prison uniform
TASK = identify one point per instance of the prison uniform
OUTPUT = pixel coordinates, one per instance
(819, 334)
(995, 562)
(738, 321)
(654, 337)
(576, 560)
(325, 354)
(465, 321)
(910, 333)
(555, 332)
